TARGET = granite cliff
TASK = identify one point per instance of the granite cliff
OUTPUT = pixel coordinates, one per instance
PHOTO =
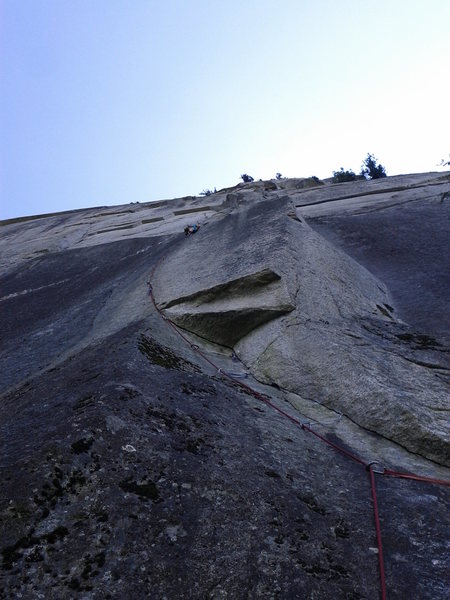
(133, 467)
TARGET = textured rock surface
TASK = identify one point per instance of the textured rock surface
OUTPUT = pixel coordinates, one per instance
(403, 245)
(340, 344)
(232, 277)
(131, 468)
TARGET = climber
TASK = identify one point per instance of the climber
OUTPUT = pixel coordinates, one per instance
(190, 229)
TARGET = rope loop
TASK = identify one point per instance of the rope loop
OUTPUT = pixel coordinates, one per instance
(369, 467)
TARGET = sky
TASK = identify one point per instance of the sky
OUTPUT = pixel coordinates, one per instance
(105, 102)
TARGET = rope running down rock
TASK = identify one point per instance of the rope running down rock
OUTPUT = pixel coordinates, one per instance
(305, 427)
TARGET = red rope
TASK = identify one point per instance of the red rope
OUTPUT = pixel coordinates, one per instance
(378, 530)
(296, 421)
(335, 446)
(415, 477)
(264, 399)
(305, 427)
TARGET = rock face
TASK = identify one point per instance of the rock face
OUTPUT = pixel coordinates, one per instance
(339, 342)
(223, 294)
(131, 467)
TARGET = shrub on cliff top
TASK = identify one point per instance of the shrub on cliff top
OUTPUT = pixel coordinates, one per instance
(208, 192)
(247, 178)
(371, 170)
(341, 176)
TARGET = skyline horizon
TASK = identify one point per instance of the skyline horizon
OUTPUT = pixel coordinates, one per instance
(202, 195)
(106, 103)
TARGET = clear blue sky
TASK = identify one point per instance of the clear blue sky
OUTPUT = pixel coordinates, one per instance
(114, 101)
